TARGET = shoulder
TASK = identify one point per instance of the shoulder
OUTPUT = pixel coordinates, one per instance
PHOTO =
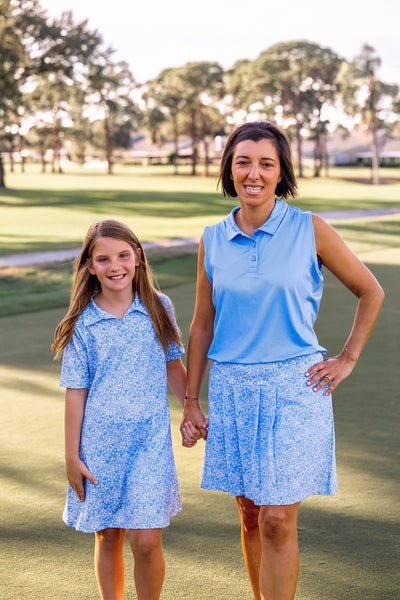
(165, 299)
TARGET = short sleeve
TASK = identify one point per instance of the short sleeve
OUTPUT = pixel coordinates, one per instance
(174, 351)
(75, 364)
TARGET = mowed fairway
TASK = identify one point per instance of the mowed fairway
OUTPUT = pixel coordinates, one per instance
(349, 543)
(49, 211)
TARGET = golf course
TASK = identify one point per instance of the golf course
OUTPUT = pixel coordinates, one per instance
(349, 543)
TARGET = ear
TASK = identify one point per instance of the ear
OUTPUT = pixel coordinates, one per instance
(91, 269)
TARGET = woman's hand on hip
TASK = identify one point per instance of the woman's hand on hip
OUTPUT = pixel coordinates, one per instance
(331, 372)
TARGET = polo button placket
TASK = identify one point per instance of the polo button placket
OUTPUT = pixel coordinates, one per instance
(253, 257)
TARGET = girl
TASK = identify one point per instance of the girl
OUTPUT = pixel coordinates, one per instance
(121, 347)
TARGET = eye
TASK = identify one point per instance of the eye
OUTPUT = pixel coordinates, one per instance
(124, 255)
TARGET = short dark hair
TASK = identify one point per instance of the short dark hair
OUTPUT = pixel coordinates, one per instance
(256, 131)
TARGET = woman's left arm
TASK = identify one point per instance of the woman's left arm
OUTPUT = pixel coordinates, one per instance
(336, 256)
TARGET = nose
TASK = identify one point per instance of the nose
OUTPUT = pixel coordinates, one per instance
(254, 171)
(114, 265)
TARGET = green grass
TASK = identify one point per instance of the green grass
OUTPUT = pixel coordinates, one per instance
(33, 289)
(348, 542)
(50, 211)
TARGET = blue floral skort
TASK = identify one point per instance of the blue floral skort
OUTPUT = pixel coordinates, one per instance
(270, 438)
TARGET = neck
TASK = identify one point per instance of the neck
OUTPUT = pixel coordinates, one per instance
(248, 219)
(115, 303)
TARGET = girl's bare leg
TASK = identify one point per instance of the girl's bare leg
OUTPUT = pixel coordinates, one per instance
(109, 563)
(251, 542)
(149, 571)
(280, 554)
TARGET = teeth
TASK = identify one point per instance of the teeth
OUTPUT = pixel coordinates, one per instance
(253, 189)
(116, 276)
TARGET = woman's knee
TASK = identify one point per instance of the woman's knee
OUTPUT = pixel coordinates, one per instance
(278, 524)
(249, 514)
(145, 542)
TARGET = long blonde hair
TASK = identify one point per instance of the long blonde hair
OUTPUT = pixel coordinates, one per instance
(84, 285)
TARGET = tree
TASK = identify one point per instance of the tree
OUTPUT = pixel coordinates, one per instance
(365, 96)
(241, 94)
(202, 84)
(14, 61)
(296, 79)
(109, 93)
(165, 95)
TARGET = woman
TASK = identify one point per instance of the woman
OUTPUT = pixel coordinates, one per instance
(270, 440)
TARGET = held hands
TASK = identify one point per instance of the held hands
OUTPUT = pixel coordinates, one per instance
(76, 472)
(194, 424)
(331, 371)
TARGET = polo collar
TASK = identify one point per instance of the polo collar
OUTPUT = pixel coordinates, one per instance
(270, 226)
(93, 313)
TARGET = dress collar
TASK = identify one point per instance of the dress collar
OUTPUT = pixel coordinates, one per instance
(270, 226)
(93, 313)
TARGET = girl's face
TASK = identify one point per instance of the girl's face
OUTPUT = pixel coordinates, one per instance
(114, 263)
(256, 172)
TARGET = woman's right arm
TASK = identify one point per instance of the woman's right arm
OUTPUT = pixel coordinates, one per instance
(200, 338)
(75, 400)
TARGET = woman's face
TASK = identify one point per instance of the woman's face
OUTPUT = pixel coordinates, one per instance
(256, 171)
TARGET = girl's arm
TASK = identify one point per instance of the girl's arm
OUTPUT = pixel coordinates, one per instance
(200, 338)
(340, 260)
(75, 400)
(176, 377)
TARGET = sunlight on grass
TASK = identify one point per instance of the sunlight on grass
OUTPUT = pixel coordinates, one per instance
(52, 211)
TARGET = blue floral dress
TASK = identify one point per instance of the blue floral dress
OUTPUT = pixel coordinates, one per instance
(126, 436)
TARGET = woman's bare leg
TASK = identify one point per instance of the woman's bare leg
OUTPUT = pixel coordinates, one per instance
(280, 553)
(251, 543)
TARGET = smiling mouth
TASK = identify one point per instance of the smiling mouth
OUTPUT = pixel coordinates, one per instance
(253, 189)
(116, 277)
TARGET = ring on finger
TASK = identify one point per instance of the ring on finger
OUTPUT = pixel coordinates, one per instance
(328, 378)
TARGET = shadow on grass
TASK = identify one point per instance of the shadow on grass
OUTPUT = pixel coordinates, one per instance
(174, 204)
(171, 205)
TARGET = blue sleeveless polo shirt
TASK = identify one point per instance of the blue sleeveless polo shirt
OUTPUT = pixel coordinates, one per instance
(266, 288)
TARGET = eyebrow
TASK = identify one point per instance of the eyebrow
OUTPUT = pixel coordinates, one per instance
(262, 158)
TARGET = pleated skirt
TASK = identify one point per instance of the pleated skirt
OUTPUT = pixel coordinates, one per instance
(270, 438)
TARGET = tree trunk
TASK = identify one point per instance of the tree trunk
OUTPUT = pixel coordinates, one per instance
(374, 155)
(317, 155)
(194, 142)
(206, 157)
(299, 148)
(2, 182)
(176, 147)
(108, 145)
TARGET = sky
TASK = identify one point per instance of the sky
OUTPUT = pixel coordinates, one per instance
(152, 35)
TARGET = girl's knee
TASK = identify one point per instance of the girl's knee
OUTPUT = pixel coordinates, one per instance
(278, 523)
(145, 542)
(110, 537)
(249, 514)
